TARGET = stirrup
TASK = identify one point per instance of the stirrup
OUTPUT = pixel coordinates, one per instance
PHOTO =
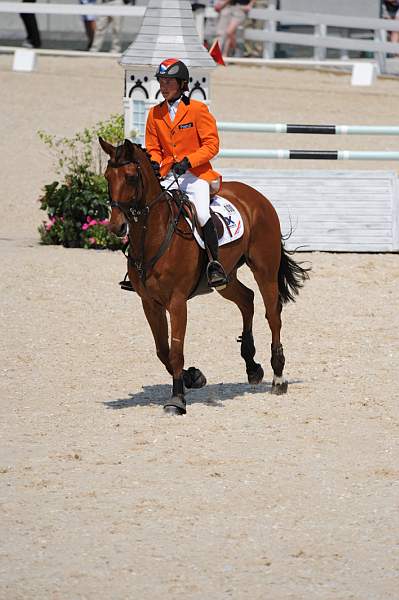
(126, 285)
(216, 275)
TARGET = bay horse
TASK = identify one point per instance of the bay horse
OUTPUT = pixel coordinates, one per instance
(165, 264)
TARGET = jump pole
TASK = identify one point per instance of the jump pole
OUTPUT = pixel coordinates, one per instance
(309, 154)
(309, 129)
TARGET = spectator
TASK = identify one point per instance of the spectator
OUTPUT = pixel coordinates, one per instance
(89, 22)
(392, 8)
(232, 14)
(109, 21)
(32, 31)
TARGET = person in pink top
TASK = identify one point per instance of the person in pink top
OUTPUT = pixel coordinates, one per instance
(232, 14)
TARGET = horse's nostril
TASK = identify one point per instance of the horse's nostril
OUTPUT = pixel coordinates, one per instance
(123, 230)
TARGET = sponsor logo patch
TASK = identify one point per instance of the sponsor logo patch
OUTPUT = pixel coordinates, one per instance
(186, 126)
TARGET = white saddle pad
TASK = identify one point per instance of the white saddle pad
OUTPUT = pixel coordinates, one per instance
(232, 222)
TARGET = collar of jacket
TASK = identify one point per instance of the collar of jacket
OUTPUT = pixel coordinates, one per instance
(180, 113)
(182, 97)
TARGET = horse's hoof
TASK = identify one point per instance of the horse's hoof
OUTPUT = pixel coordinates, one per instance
(279, 388)
(175, 406)
(173, 410)
(255, 377)
(193, 378)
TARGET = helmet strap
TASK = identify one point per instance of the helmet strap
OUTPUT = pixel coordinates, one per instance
(175, 99)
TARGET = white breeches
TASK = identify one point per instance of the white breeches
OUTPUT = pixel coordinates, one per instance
(196, 189)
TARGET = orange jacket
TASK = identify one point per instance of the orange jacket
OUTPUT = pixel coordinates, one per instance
(193, 133)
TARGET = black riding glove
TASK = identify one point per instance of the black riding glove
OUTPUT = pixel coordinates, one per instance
(181, 167)
(156, 168)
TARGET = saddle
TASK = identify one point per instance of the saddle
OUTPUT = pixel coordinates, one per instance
(190, 213)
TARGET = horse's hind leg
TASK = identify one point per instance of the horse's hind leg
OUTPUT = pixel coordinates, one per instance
(243, 297)
(268, 286)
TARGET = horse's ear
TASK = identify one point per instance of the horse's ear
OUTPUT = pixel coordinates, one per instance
(129, 148)
(108, 148)
(128, 145)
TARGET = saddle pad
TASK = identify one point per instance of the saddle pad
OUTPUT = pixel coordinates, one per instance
(232, 222)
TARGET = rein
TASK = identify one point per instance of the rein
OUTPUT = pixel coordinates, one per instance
(135, 213)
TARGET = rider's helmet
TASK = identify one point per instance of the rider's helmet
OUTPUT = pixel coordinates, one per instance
(173, 68)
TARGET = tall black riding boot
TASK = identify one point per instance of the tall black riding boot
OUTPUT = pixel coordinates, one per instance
(217, 277)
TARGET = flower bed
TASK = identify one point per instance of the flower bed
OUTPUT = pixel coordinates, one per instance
(77, 206)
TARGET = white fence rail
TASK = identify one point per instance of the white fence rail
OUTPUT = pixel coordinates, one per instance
(63, 21)
(72, 9)
(321, 40)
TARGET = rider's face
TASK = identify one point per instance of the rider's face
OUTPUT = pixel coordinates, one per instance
(170, 87)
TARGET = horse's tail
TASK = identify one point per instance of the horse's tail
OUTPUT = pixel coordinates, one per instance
(291, 276)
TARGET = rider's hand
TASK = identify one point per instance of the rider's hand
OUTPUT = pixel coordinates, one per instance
(156, 168)
(181, 167)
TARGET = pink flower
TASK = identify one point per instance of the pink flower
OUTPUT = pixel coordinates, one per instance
(85, 226)
(92, 240)
(48, 226)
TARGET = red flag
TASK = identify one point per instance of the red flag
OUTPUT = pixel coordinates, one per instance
(216, 53)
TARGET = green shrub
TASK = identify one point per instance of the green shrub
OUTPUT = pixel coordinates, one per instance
(77, 205)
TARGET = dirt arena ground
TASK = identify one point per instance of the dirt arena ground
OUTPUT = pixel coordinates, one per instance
(250, 496)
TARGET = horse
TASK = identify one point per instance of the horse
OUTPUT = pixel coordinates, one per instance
(165, 264)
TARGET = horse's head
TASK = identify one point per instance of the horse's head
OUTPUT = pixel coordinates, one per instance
(130, 177)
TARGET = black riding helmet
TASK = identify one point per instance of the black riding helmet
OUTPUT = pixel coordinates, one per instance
(175, 69)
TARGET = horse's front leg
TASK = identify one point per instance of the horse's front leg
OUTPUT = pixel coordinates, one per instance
(156, 317)
(178, 323)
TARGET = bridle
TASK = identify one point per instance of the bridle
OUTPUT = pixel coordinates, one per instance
(134, 212)
(130, 210)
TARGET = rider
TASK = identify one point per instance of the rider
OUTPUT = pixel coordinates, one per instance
(182, 137)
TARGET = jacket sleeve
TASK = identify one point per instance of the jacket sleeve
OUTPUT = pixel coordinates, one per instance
(208, 135)
(151, 139)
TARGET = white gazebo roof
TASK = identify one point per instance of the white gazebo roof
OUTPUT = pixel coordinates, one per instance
(167, 31)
